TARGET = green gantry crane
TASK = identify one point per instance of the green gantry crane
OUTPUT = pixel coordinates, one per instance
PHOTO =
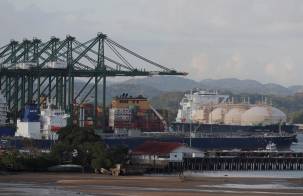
(32, 68)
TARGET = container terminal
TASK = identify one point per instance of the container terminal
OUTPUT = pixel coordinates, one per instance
(37, 81)
(31, 70)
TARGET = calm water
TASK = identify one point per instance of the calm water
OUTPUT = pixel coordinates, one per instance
(29, 189)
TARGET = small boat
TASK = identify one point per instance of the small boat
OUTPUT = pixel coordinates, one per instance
(66, 168)
(271, 147)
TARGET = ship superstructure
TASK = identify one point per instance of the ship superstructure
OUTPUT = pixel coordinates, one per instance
(196, 105)
(28, 125)
(52, 119)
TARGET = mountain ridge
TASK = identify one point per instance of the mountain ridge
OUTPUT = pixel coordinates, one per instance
(154, 86)
(234, 85)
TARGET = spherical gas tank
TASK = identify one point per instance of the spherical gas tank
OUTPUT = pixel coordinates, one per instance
(198, 116)
(278, 116)
(217, 115)
(263, 115)
(233, 116)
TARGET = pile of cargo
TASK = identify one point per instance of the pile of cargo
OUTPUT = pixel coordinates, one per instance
(135, 113)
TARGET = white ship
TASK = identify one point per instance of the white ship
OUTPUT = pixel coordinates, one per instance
(41, 123)
(52, 119)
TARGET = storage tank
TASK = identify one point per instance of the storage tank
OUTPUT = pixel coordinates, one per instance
(198, 116)
(217, 115)
(233, 116)
(263, 115)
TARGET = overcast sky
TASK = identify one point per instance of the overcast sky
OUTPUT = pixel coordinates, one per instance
(245, 39)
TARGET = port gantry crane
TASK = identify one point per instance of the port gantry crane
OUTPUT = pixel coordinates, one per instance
(32, 68)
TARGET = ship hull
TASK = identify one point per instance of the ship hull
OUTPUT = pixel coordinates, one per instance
(211, 143)
(232, 129)
(206, 143)
(220, 137)
(7, 131)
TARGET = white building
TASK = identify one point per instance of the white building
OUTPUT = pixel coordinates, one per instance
(155, 152)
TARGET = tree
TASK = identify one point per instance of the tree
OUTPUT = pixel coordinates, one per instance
(82, 146)
(297, 117)
(119, 154)
(11, 161)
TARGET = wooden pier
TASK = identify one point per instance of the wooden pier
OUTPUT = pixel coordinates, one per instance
(236, 161)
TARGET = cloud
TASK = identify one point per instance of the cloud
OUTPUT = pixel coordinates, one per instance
(199, 66)
(233, 64)
(209, 39)
(281, 72)
(207, 66)
(269, 68)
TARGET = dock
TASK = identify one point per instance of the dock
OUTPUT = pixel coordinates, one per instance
(240, 161)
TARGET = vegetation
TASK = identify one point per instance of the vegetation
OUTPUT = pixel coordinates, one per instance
(168, 101)
(16, 161)
(74, 146)
(81, 146)
(297, 117)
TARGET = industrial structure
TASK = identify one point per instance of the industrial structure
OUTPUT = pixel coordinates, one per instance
(31, 68)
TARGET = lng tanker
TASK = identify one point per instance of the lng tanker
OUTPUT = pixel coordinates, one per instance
(206, 120)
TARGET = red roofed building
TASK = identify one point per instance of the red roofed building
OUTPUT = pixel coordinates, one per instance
(156, 152)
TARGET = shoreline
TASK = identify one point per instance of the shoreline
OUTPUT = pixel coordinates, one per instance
(86, 184)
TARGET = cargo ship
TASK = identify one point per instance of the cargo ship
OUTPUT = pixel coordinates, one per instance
(205, 120)
(39, 125)
(28, 126)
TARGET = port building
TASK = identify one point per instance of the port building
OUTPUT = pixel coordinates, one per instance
(160, 153)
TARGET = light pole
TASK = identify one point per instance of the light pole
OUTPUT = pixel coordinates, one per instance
(190, 116)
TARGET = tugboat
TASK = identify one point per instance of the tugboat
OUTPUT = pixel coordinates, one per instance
(271, 147)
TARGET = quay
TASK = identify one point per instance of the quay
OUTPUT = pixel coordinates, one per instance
(239, 161)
